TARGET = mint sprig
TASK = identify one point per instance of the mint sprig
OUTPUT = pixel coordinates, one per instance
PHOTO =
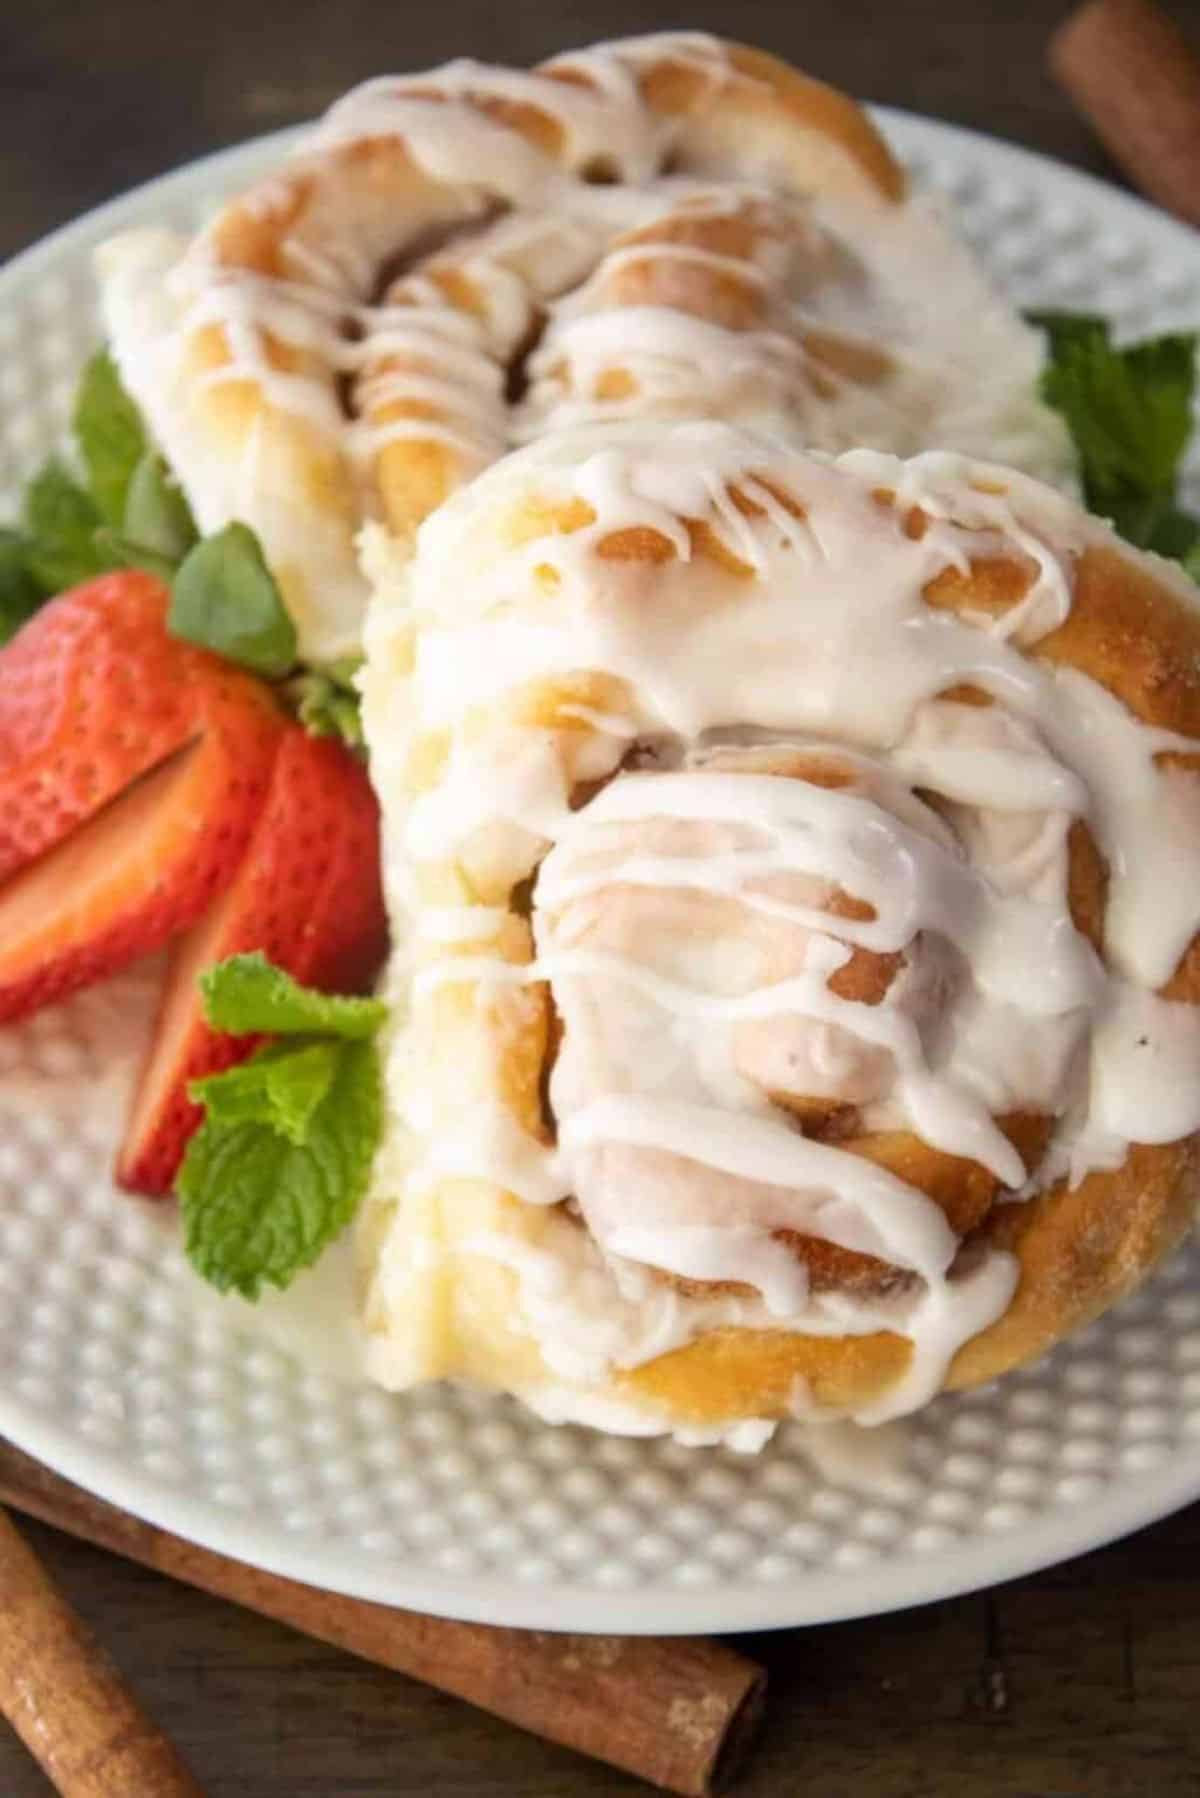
(123, 552)
(224, 597)
(259, 1204)
(1129, 411)
(60, 523)
(156, 514)
(20, 591)
(281, 1086)
(111, 436)
(130, 512)
(248, 995)
(281, 1161)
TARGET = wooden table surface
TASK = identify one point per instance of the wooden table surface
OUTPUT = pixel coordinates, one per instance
(1082, 1681)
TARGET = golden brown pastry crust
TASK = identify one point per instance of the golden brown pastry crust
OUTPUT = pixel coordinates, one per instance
(762, 114)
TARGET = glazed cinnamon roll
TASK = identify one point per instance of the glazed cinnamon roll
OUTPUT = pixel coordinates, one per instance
(456, 262)
(794, 865)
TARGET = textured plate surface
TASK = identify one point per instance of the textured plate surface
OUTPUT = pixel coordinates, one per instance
(463, 1504)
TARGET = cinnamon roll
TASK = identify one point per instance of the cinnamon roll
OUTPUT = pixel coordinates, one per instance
(794, 865)
(457, 262)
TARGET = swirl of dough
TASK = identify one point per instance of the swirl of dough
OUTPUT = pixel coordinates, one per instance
(455, 262)
(795, 866)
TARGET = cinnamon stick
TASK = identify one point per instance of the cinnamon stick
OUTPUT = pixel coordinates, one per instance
(65, 1698)
(1132, 73)
(678, 1712)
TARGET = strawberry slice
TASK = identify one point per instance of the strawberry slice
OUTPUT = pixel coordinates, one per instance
(93, 694)
(308, 895)
(148, 864)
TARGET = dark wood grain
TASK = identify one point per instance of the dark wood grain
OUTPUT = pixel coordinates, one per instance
(1083, 1682)
(94, 98)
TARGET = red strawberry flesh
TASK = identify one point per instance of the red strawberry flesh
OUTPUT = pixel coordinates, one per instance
(146, 867)
(307, 895)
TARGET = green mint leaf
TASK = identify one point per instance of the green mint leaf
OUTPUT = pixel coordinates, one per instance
(248, 996)
(111, 436)
(257, 1207)
(1138, 517)
(157, 515)
(60, 522)
(345, 671)
(1129, 411)
(1175, 534)
(20, 593)
(1160, 376)
(225, 599)
(327, 705)
(1191, 562)
(283, 1085)
(1067, 328)
(121, 552)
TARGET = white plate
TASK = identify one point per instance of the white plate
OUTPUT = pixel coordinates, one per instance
(463, 1504)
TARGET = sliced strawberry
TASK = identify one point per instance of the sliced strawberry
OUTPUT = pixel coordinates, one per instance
(308, 895)
(93, 694)
(149, 864)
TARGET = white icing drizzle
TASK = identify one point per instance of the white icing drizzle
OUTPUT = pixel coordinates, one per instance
(686, 918)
